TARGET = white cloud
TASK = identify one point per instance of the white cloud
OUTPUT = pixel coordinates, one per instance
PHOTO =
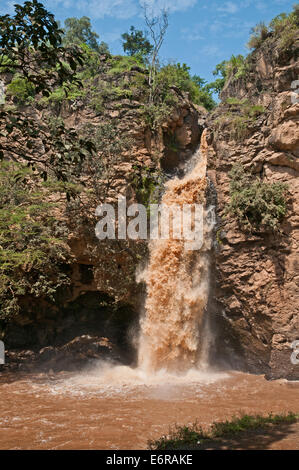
(111, 36)
(229, 7)
(121, 9)
(97, 8)
(211, 50)
(100, 8)
(170, 5)
(190, 34)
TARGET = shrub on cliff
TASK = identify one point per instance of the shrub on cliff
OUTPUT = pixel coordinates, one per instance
(256, 204)
(21, 89)
(240, 118)
(33, 251)
(284, 27)
(178, 75)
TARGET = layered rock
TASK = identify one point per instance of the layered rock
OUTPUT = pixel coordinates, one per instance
(256, 305)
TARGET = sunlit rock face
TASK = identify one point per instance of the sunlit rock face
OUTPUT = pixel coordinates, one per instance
(256, 276)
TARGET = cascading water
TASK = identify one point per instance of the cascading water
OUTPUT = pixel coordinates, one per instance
(177, 286)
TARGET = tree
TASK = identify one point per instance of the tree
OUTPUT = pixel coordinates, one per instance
(235, 67)
(219, 83)
(157, 26)
(203, 95)
(31, 49)
(78, 31)
(136, 43)
(178, 75)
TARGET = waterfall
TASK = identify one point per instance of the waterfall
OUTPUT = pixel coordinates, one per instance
(177, 282)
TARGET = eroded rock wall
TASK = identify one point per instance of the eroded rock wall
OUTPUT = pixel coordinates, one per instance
(256, 303)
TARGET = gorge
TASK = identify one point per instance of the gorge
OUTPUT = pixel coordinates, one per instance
(117, 339)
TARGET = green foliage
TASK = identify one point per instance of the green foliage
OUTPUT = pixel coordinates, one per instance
(283, 26)
(193, 437)
(21, 89)
(202, 94)
(257, 205)
(30, 41)
(286, 27)
(86, 75)
(135, 43)
(179, 76)
(62, 94)
(155, 114)
(31, 253)
(179, 437)
(27, 46)
(219, 83)
(235, 67)
(147, 184)
(164, 99)
(246, 422)
(78, 31)
(120, 64)
(240, 118)
(258, 35)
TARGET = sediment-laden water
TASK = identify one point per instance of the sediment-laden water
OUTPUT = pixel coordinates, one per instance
(121, 408)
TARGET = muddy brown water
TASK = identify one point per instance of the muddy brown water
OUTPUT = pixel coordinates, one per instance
(121, 408)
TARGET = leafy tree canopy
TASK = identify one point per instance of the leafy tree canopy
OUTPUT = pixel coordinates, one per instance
(31, 49)
(78, 31)
(179, 75)
(136, 43)
(235, 66)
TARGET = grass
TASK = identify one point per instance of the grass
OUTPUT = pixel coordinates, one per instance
(182, 437)
(240, 118)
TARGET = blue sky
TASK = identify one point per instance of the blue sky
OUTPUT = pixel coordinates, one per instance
(201, 33)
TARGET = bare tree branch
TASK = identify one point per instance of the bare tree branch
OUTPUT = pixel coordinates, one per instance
(157, 25)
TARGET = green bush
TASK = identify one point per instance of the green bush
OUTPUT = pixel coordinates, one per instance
(257, 205)
(21, 89)
(283, 26)
(179, 76)
(120, 64)
(236, 67)
(259, 33)
(154, 114)
(31, 253)
(194, 437)
(240, 117)
(147, 184)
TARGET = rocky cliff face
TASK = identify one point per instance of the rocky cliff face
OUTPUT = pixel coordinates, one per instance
(256, 308)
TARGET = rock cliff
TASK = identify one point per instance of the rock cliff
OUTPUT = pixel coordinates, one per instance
(256, 308)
